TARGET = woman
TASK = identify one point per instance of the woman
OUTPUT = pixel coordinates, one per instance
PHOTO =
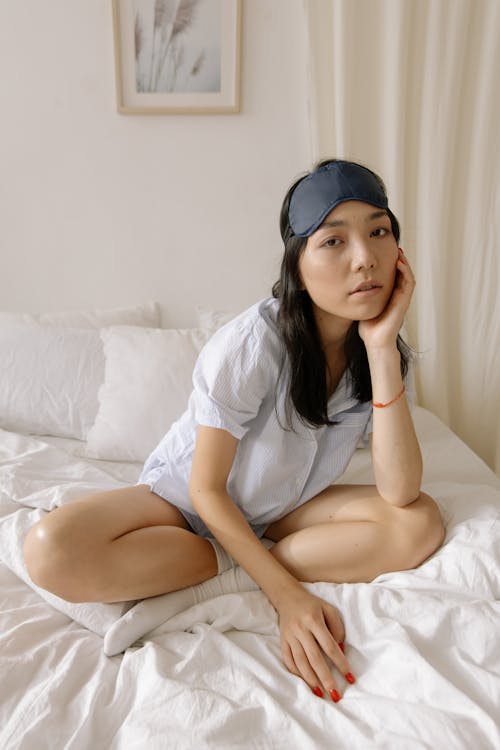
(282, 395)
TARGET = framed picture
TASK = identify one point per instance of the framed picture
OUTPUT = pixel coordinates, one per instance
(177, 56)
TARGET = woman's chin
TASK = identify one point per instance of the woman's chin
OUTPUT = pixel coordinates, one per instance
(371, 315)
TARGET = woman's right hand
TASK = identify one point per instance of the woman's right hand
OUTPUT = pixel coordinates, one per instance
(311, 628)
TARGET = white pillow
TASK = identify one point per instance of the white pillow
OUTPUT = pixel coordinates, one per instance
(147, 314)
(39, 393)
(49, 379)
(147, 383)
(213, 319)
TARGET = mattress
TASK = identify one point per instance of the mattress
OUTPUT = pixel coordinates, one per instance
(423, 643)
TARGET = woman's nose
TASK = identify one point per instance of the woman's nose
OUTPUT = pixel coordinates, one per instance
(362, 256)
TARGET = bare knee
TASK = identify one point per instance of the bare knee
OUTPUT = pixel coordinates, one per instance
(420, 529)
(40, 553)
(52, 559)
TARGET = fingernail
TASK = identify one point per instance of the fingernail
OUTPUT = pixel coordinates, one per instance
(334, 696)
(350, 678)
(341, 646)
(317, 691)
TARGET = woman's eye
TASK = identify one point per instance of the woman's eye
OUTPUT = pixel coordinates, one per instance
(331, 242)
(380, 232)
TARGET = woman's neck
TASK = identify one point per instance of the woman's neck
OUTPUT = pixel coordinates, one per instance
(335, 367)
(332, 331)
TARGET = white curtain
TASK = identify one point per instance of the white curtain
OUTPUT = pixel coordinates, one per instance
(412, 89)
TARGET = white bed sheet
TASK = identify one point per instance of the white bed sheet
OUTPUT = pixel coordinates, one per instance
(423, 644)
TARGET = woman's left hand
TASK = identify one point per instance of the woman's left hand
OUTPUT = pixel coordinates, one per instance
(383, 330)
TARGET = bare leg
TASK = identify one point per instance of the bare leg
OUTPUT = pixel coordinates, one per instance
(131, 544)
(348, 533)
(117, 546)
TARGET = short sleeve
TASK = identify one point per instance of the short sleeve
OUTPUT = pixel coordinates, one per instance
(232, 377)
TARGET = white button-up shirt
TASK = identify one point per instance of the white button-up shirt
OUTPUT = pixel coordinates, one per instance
(237, 388)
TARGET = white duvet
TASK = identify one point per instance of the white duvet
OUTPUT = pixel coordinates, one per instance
(423, 644)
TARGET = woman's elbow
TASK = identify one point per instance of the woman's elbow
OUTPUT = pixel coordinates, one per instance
(399, 496)
(203, 495)
(195, 494)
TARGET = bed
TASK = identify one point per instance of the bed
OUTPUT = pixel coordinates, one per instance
(423, 643)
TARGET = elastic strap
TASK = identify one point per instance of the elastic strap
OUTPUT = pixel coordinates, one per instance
(224, 561)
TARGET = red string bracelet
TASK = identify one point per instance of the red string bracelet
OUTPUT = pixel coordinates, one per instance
(379, 405)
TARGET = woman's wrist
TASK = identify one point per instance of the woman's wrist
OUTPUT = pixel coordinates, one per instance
(281, 586)
(385, 373)
(386, 353)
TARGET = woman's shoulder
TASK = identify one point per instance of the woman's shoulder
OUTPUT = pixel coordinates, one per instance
(237, 370)
(254, 329)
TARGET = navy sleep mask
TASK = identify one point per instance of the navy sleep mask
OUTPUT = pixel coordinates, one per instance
(318, 194)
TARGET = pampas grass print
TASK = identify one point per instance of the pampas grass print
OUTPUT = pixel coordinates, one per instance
(160, 54)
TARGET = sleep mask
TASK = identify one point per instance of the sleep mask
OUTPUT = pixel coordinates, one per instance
(318, 193)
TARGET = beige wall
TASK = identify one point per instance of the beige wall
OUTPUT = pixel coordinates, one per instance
(106, 209)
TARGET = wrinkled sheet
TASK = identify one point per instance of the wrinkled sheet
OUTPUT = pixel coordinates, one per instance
(423, 643)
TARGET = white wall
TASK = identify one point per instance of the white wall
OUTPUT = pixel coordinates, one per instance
(102, 209)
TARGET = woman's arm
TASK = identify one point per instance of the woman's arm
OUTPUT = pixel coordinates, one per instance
(396, 457)
(307, 623)
(213, 458)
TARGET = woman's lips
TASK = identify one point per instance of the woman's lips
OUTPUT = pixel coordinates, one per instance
(366, 292)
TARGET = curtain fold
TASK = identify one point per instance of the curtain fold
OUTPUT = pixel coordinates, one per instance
(412, 89)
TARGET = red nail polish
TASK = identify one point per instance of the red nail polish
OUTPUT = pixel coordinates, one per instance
(350, 678)
(341, 646)
(317, 691)
(334, 696)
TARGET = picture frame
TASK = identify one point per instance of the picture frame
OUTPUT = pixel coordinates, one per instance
(177, 56)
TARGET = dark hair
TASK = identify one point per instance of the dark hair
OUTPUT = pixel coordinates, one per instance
(303, 353)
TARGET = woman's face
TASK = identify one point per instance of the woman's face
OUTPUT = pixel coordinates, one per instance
(353, 247)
